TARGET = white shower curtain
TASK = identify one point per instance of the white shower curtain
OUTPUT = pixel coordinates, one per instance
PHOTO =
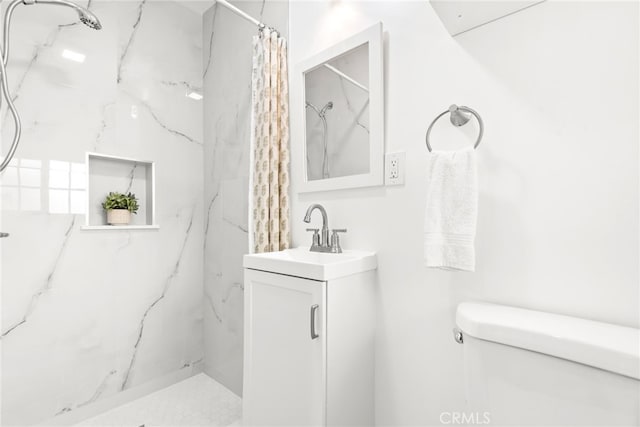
(269, 181)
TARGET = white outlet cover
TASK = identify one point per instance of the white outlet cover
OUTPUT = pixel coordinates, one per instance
(394, 168)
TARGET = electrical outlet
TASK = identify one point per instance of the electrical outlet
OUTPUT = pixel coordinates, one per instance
(394, 164)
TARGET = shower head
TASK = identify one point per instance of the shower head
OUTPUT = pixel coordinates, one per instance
(328, 106)
(90, 20)
(86, 16)
(320, 113)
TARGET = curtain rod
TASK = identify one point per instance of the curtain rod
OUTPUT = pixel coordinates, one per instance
(346, 77)
(250, 18)
(243, 14)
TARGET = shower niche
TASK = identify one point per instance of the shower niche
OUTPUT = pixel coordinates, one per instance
(107, 173)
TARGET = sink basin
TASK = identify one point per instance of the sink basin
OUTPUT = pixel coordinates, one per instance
(301, 262)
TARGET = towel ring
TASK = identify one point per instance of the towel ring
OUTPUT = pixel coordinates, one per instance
(458, 118)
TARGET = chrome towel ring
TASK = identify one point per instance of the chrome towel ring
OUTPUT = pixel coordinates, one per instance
(458, 118)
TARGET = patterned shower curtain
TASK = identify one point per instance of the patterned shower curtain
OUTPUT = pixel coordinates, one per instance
(269, 204)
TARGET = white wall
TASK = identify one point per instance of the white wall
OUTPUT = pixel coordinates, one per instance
(557, 87)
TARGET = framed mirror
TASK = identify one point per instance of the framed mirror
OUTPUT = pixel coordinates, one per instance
(343, 114)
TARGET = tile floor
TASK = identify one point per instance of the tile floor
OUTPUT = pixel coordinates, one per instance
(196, 401)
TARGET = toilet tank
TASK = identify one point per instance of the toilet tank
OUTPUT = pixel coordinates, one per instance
(525, 367)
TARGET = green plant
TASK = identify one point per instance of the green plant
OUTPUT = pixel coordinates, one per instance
(116, 200)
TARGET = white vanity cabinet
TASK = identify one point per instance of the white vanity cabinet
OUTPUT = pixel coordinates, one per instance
(308, 348)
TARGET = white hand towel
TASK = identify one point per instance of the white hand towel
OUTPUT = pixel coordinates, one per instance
(452, 209)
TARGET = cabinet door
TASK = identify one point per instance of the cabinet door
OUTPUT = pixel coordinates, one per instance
(284, 354)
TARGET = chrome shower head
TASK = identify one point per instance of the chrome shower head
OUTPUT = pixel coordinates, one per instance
(90, 20)
(86, 16)
(328, 106)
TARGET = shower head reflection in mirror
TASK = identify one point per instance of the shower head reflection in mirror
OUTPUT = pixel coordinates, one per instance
(322, 116)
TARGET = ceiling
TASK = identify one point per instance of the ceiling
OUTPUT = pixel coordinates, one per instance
(459, 16)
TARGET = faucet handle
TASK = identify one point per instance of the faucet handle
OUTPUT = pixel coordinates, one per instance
(315, 239)
(335, 240)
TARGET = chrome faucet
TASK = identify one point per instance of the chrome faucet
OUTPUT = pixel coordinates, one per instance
(320, 242)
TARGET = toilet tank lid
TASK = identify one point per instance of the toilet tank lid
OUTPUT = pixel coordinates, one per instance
(610, 347)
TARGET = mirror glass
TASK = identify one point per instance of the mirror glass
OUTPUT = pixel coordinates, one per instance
(343, 114)
(337, 116)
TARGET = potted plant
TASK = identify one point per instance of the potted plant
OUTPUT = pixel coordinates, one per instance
(119, 207)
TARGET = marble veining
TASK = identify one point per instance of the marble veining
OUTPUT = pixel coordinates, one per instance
(103, 125)
(356, 114)
(47, 283)
(208, 215)
(141, 313)
(167, 283)
(134, 30)
(235, 285)
(212, 306)
(165, 127)
(131, 177)
(238, 226)
(100, 389)
(207, 60)
(227, 130)
(184, 84)
(16, 91)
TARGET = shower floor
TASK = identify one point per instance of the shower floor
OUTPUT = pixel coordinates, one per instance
(196, 401)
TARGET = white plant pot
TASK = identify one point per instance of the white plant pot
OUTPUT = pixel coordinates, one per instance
(118, 216)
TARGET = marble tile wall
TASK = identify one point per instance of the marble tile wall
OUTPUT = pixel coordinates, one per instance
(227, 50)
(88, 314)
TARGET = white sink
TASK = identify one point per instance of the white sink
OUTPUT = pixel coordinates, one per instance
(301, 262)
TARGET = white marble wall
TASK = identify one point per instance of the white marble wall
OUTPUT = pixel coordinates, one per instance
(88, 314)
(227, 50)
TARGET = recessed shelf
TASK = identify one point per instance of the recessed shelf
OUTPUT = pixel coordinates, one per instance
(106, 173)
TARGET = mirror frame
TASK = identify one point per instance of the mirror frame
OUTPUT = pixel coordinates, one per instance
(373, 36)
